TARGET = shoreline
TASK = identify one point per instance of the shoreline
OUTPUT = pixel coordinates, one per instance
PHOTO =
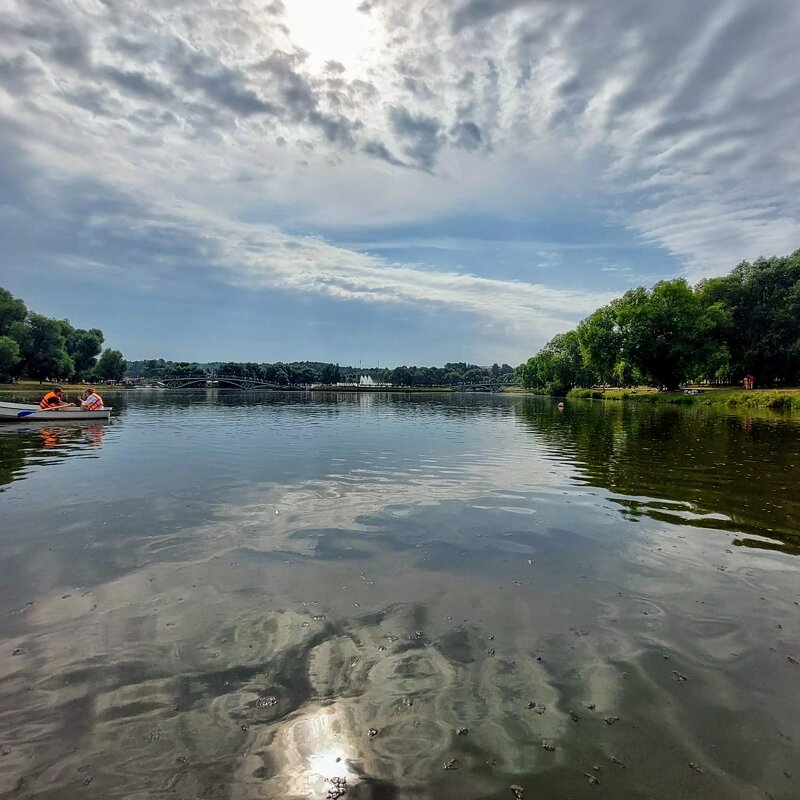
(773, 399)
(31, 386)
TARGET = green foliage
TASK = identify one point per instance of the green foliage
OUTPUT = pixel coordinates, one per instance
(183, 369)
(767, 318)
(44, 350)
(558, 367)
(600, 340)
(778, 400)
(9, 356)
(111, 366)
(330, 374)
(311, 372)
(148, 369)
(586, 394)
(82, 346)
(12, 312)
(35, 346)
(663, 332)
(719, 331)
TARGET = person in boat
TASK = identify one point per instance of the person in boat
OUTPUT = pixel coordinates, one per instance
(54, 400)
(92, 401)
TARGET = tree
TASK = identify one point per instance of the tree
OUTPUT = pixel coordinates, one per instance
(662, 331)
(475, 375)
(148, 369)
(274, 373)
(111, 365)
(301, 373)
(12, 311)
(330, 374)
(82, 346)
(767, 318)
(9, 357)
(600, 341)
(45, 350)
(400, 376)
(559, 365)
(182, 369)
(232, 369)
(528, 373)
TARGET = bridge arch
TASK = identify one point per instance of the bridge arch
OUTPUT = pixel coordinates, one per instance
(215, 381)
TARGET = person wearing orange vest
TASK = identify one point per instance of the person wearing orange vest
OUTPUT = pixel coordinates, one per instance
(92, 401)
(53, 400)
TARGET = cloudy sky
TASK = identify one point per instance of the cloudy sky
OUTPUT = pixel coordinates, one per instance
(393, 181)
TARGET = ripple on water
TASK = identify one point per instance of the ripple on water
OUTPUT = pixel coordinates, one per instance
(271, 597)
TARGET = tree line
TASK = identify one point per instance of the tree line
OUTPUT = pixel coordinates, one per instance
(453, 373)
(310, 372)
(300, 372)
(42, 348)
(719, 331)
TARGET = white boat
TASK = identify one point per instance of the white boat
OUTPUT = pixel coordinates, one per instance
(18, 412)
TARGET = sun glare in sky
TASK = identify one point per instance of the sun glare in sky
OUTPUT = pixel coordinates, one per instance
(330, 30)
(477, 176)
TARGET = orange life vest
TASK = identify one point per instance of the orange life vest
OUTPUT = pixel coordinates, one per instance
(93, 402)
(47, 401)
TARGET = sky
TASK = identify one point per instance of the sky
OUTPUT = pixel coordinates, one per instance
(385, 181)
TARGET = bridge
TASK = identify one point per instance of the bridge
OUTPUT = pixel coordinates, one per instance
(213, 381)
(216, 382)
(485, 386)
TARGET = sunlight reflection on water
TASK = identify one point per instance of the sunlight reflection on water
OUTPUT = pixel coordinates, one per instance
(254, 596)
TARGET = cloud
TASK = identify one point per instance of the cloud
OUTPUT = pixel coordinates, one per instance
(467, 135)
(678, 120)
(472, 12)
(89, 224)
(421, 134)
(689, 108)
(381, 151)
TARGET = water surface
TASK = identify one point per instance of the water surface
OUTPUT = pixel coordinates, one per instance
(228, 595)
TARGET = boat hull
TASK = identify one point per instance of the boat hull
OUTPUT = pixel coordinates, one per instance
(10, 412)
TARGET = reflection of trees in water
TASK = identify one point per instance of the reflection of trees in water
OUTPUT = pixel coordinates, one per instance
(684, 466)
(12, 456)
(21, 447)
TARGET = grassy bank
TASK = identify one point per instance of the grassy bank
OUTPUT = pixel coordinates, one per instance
(777, 399)
(35, 386)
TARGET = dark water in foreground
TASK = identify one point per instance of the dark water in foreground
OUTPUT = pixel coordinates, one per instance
(256, 596)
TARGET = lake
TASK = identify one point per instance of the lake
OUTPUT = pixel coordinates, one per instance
(235, 595)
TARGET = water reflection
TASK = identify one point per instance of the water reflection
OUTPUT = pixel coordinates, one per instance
(400, 597)
(23, 446)
(684, 466)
